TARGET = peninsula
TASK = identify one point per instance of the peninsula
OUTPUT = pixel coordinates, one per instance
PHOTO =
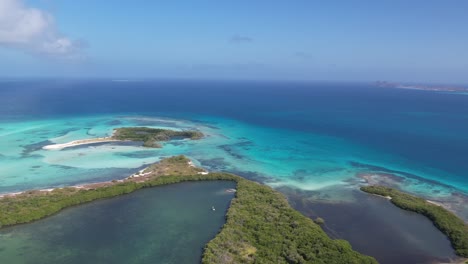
(151, 137)
(261, 227)
(448, 223)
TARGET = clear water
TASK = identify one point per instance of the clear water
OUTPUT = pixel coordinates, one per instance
(322, 139)
(165, 224)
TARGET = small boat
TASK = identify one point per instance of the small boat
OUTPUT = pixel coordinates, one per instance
(212, 208)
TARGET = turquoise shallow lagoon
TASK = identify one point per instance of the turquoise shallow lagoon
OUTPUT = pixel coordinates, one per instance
(165, 224)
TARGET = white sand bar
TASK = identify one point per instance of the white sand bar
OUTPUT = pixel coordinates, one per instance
(79, 142)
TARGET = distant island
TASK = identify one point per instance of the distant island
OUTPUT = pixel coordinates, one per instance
(424, 87)
(151, 137)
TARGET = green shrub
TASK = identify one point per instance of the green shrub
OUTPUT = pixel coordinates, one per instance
(319, 221)
(152, 136)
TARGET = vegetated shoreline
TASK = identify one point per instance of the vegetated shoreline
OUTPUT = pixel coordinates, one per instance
(149, 136)
(260, 226)
(447, 222)
(141, 176)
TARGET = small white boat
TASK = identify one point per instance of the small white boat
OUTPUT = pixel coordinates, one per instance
(213, 208)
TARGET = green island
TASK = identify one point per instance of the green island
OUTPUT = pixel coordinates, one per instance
(260, 227)
(151, 136)
(447, 222)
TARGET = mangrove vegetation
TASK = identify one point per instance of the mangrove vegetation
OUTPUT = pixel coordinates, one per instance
(152, 136)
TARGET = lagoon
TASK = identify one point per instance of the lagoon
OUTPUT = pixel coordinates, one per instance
(164, 224)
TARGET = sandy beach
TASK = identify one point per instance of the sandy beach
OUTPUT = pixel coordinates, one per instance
(79, 142)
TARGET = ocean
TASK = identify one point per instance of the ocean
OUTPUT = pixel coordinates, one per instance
(318, 141)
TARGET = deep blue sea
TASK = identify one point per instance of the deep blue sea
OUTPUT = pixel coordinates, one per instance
(321, 140)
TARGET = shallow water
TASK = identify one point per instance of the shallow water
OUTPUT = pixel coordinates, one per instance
(164, 224)
(277, 157)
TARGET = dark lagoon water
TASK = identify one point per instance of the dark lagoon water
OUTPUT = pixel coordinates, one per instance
(375, 226)
(164, 224)
(321, 140)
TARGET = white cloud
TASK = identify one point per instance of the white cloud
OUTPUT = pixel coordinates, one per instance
(33, 30)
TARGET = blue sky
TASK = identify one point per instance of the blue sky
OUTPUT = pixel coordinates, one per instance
(421, 41)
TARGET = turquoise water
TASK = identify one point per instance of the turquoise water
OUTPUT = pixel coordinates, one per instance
(165, 224)
(310, 162)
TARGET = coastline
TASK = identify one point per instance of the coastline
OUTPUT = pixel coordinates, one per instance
(141, 176)
(453, 201)
(147, 177)
(287, 236)
(429, 201)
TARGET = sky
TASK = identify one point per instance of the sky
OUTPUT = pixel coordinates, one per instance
(355, 40)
